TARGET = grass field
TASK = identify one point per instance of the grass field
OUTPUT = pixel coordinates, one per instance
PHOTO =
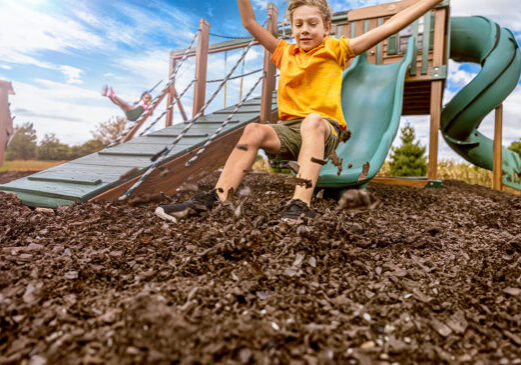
(446, 169)
(28, 165)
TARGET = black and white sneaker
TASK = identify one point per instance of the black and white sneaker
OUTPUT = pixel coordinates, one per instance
(200, 203)
(296, 211)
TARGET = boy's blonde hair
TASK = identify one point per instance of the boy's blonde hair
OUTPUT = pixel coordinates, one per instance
(322, 5)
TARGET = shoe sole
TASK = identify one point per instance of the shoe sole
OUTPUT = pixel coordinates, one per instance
(160, 212)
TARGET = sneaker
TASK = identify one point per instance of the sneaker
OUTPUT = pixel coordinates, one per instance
(296, 210)
(200, 203)
(105, 90)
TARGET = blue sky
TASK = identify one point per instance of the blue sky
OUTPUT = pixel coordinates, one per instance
(59, 53)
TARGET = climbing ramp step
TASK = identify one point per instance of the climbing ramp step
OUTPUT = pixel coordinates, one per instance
(113, 169)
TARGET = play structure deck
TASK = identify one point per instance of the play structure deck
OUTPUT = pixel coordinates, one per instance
(403, 75)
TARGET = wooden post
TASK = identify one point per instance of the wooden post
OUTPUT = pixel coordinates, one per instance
(201, 65)
(179, 104)
(6, 122)
(268, 84)
(170, 99)
(497, 182)
(435, 111)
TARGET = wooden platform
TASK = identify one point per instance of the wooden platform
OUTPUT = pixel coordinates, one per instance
(98, 176)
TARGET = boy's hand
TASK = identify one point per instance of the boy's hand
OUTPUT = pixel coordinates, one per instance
(249, 22)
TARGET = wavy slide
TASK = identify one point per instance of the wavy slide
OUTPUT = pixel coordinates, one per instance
(479, 40)
(372, 97)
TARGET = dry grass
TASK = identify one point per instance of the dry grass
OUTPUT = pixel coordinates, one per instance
(28, 165)
(448, 169)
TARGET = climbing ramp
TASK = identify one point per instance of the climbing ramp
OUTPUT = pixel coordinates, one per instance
(107, 174)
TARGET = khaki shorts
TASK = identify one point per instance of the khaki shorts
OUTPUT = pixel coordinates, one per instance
(288, 132)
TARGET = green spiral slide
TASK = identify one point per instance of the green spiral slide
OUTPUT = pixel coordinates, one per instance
(372, 97)
(479, 40)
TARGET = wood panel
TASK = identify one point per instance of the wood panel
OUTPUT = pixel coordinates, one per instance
(170, 175)
(416, 183)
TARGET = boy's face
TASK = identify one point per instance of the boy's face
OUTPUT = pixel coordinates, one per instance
(308, 27)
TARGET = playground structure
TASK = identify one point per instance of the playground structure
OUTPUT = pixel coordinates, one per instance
(6, 121)
(403, 75)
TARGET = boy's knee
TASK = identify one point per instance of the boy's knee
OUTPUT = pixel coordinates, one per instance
(312, 123)
(253, 132)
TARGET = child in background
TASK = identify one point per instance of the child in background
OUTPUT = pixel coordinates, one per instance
(308, 99)
(132, 112)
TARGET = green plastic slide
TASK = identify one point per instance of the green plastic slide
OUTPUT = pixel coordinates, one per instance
(372, 97)
(479, 40)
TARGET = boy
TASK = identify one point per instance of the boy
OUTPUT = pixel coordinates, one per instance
(308, 101)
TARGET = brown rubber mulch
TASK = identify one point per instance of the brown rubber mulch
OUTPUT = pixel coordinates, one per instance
(429, 276)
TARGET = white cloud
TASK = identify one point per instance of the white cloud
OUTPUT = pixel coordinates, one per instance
(6, 67)
(32, 32)
(506, 12)
(260, 4)
(69, 111)
(72, 74)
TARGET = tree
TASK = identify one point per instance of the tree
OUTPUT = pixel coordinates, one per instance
(52, 149)
(23, 145)
(110, 130)
(408, 159)
(87, 148)
(516, 147)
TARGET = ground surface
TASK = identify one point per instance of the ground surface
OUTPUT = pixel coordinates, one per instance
(430, 276)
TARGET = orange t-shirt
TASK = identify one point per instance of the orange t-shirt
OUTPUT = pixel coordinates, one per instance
(310, 82)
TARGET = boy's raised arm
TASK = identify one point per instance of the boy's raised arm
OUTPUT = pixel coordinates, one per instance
(394, 24)
(250, 23)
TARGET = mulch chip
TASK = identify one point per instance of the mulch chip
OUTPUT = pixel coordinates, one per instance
(428, 276)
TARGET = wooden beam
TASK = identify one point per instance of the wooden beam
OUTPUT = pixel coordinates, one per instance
(201, 66)
(415, 183)
(169, 176)
(435, 111)
(216, 47)
(383, 10)
(179, 104)
(268, 84)
(497, 174)
(170, 99)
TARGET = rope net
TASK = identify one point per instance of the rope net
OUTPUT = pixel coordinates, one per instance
(162, 154)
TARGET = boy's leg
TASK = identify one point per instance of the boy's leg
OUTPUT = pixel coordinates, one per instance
(314, 131)
(255, 136)
(241, 159)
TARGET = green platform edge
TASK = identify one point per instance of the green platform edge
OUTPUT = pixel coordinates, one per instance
(82, 179)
